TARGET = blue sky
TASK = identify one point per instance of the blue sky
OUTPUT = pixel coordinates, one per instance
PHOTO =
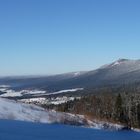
(57, 36)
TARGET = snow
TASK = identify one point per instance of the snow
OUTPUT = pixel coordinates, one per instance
(25, 112)
(4, 86)
(3, 89)
(33, 100)
(104, 125)
(116, 63)
(77, 73)
(17, 111)
(12, 93)
(60, 100)
(67, 90)
(135, 129)
(48, 101)
(119, 62)
(34, 91)
(13, 110)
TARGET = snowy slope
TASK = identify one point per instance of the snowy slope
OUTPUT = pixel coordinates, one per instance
(13, 110)
(18, 111)
(122, 66)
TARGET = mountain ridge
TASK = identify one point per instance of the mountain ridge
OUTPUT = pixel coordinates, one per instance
(122, 71)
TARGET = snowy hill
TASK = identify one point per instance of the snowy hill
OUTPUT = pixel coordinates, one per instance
(13, 110)
(122, 66)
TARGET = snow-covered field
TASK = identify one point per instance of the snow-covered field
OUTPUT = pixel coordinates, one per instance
(7, 92)
(48, 101)
(4, 86)
(36, 96)
(64, 91)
